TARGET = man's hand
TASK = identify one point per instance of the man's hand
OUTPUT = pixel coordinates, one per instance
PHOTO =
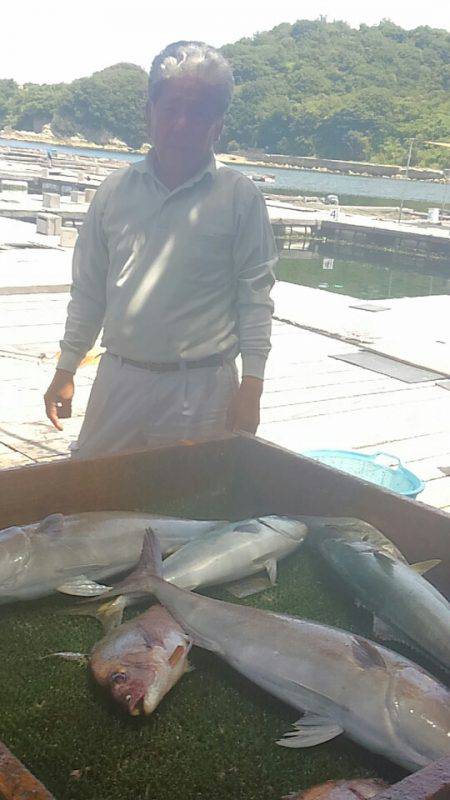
(243, 414)
(58, 398)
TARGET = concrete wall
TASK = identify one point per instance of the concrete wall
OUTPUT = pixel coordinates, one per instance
(345, 167)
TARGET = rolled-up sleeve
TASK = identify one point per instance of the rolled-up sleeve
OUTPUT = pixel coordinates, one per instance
(255, 256)
(86, 308)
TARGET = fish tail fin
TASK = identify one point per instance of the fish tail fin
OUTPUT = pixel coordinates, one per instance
(109, 614)
(149, 569)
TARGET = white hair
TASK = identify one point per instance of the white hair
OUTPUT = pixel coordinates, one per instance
(193, 58)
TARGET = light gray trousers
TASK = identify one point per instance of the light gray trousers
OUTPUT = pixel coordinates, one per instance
(130, 407)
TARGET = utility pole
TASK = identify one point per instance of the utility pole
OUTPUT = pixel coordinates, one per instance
(447, 179)
(408, 163)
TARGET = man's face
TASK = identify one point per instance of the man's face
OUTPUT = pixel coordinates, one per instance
(183, 119)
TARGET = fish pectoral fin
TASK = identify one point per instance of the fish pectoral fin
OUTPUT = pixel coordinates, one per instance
(271, 567)
(52, 524)
(310, 730)
(109, 614)
(177, 654)
(246, 527)
(382, 630)
(82, 586)
(424, 566)
(248, 586)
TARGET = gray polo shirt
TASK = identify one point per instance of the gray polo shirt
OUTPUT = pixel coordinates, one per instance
(173, 275)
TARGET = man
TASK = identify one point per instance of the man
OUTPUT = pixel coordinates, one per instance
(175, 262)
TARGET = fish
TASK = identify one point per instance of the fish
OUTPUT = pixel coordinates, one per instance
(139, 662)
(358, 530)
(359, 789)
(340, 681)
(406, 607)
(72, 553)
(235, 551)
(225, 555)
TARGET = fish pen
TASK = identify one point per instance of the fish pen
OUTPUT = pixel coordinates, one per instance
(214, 733)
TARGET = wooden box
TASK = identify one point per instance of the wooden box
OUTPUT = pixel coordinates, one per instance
(255, 478)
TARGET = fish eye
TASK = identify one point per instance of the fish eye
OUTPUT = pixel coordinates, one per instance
(118, 677)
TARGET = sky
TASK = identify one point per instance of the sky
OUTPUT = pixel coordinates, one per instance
(53, 42)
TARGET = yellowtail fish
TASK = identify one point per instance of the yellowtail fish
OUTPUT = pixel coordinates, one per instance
(341, 682)
(72, 553)
(406, 607)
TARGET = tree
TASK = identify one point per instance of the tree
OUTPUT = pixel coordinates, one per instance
(35, 105)
(8, 92)
(111, 103)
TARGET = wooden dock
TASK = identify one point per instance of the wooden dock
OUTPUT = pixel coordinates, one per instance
(292, 224)
(30, 206)
(416, 239)
(310, 400)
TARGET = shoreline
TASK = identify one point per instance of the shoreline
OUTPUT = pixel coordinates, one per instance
(336, 167)
(310, 163)
(29, 136)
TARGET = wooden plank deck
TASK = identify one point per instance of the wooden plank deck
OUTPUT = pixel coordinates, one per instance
(411, 329)
(310, 399)
(309, 404)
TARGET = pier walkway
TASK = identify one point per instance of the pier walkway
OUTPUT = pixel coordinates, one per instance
(311, 400)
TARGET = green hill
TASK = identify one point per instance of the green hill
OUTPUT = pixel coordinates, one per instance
(311, 88)
(326, 89)
(108, 104)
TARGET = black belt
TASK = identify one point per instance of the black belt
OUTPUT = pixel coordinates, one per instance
(173, 366)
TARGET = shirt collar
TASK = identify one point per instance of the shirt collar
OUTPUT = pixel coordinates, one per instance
(145, 166)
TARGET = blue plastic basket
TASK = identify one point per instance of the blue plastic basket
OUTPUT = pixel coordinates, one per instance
(382, 468)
